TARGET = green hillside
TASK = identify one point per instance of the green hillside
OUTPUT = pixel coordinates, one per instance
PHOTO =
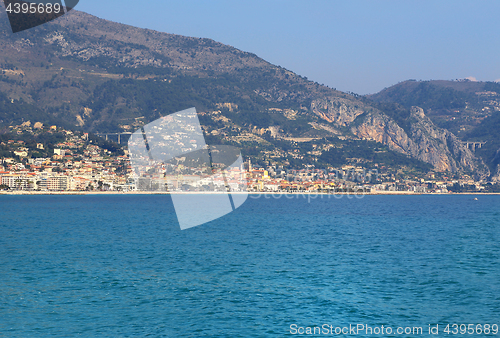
(86, 74)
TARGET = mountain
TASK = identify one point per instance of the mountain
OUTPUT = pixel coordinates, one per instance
(86, 73)
(468, 109)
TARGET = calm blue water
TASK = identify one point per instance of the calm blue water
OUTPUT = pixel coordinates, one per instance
(118, 266)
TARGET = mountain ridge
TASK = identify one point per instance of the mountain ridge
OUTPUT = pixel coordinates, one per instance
(468, 109)
(103, 76)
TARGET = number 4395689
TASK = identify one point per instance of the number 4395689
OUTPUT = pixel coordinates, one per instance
(471, 329)
(33, 8)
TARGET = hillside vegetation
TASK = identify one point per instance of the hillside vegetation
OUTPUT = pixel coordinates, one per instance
(84, 73)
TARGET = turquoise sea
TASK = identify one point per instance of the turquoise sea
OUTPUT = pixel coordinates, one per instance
(119, 266)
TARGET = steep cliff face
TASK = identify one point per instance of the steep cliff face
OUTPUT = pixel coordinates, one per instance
(425, 142)
(337, 110)
(107, 77)
(380, 128)
(495, 177)
(442, 147)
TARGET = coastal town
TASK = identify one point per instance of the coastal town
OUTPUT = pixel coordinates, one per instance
(74, 161)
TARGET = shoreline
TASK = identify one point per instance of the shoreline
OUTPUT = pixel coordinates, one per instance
(398, 193)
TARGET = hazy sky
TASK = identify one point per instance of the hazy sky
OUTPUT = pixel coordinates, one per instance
(359, 46)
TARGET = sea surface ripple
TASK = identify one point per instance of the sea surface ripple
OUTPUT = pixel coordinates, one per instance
(119, 266)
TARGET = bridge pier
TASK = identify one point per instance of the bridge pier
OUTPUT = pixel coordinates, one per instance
(473, 145)
(119, 135)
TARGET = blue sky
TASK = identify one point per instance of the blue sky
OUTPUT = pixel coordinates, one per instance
(358, 46)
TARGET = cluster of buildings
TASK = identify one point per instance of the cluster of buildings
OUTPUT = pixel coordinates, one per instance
(78, 164)
(75, 164)
(348, 179)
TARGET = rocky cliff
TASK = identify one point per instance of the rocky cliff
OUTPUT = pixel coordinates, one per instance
(101, 76)
(337, 110)
(425, 142)
(495, 177)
